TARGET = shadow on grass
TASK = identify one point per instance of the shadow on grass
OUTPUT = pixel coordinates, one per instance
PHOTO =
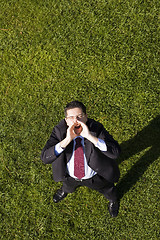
(149, 137)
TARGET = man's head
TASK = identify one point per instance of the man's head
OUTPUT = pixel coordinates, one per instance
(74, 111)
(74, 104)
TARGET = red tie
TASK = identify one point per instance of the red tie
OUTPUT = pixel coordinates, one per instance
(78, 159)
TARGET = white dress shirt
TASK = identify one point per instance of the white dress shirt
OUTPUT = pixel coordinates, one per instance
(70, 165)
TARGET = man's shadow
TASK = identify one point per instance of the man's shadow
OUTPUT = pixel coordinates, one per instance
(149, 138)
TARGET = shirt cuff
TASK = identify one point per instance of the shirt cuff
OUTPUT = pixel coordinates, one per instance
(58, 150)
(101, 145)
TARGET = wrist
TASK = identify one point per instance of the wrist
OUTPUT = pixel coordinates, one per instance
(65, 142)
(92, 139)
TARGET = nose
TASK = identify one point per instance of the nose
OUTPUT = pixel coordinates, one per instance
(75, 119)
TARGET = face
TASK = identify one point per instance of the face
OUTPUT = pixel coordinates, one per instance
(73, 115)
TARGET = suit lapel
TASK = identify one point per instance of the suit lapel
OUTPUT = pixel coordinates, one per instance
(68, 151)
(87, 149)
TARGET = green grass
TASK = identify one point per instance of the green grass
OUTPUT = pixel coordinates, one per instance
(105, 54)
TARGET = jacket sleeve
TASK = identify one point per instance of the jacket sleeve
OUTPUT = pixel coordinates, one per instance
(48, 153)
(104, 162)
(113, 148)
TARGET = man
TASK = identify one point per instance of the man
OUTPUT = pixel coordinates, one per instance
(83, 153)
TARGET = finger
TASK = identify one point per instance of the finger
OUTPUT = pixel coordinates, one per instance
(80, 122)
(72, 126)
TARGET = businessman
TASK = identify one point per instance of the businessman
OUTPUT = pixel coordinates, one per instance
(83, 153)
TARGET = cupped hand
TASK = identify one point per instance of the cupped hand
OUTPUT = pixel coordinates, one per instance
(85, 131)
(70, 132)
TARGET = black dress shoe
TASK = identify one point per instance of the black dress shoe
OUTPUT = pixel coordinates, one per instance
(113, 209)
(59, 195)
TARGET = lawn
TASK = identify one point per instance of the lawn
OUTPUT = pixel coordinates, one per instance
(105, 54)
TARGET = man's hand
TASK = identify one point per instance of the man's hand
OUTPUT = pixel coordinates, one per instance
(86, 133)
(69, 136)
(71, 133)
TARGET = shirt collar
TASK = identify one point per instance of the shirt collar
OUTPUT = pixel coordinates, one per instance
(79, 137)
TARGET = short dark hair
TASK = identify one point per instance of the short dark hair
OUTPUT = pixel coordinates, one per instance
(74, 104)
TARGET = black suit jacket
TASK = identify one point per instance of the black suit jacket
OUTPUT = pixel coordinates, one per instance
(103, 162)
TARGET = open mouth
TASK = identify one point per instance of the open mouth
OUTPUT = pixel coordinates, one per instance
(77, 127)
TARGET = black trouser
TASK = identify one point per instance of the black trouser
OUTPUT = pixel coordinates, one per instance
(96, 182)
